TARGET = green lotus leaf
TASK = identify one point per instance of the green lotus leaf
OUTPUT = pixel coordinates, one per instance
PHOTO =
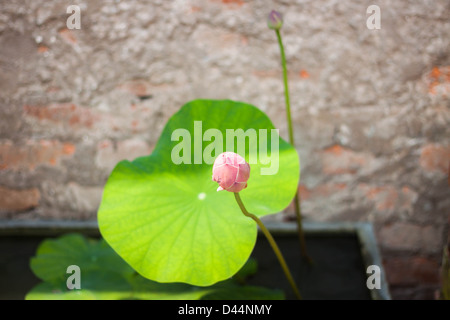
(95, 285)
(110, 278)
(162, 214)
(53, 256)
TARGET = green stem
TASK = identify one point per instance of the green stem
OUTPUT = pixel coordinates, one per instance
(273, 244)
(286, 89)
(301, 235)
(298, 213)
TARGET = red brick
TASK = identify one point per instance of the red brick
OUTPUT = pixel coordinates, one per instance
(194, 9)
(108, 154)
(317, 193)
(384, 197)
(68, 36)
(33, 153)
(412, 237)
(42, 49)
(411, 270)
(218, 42)
(68, 149)
(435, 158)
(234, 2)
(67, 114)
(53, 89)
(144, 88)
(304, 192)
(414, 292)
(388, 197)
(139, 88)
(407, 199)
(231, 4)
(320, 191)
(82, 120)
(304, 74)
(13, 200)
(339, 160)
(438, 81)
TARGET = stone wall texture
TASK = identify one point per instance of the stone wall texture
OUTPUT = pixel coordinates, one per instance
(371, 108)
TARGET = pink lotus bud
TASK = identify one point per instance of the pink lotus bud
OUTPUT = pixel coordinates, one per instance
(231, 172)
(274, 20)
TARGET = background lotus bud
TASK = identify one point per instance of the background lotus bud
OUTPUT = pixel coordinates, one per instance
(231, 172)
(275, 20)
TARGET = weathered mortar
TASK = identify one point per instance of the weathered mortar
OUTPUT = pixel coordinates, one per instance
(371, 108)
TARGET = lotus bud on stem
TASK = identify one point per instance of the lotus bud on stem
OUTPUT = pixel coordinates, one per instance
(231, 171)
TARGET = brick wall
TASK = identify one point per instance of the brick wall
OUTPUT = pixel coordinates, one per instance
(371, 107)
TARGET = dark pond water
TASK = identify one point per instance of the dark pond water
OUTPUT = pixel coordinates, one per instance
(337, 273)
